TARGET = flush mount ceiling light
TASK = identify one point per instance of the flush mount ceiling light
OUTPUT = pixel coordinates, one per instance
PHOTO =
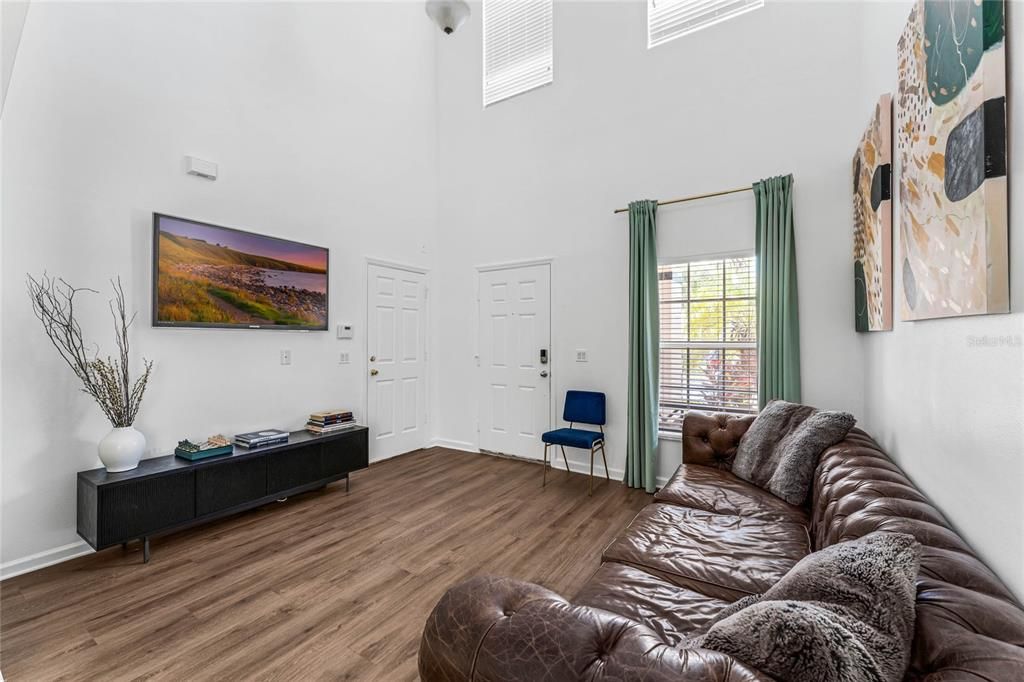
(448, 14)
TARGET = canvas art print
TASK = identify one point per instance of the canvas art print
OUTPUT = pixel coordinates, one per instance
(951, 144)
(208, 275)
(872, 222)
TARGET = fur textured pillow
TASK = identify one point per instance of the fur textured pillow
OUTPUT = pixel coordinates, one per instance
(842, 614)
(781, 448)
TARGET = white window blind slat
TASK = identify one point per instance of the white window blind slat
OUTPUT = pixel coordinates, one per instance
(708, 328)
(671, 19)
(518, 51)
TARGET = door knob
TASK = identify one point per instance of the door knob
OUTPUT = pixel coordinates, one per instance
(373, 358)
(544, 373)
(373, 372)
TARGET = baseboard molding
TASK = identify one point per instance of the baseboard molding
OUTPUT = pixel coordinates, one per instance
(578, 467)
(383, 458)
(583, 467)
(463, 445)
(49, 557)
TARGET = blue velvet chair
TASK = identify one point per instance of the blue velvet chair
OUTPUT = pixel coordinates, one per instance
(584, 407)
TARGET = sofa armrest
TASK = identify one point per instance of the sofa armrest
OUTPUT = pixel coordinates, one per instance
(499, 629)
(712, 439)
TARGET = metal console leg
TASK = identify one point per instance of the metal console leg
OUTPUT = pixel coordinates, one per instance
(145, 550)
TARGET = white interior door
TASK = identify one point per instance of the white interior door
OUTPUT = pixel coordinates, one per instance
(515, 385)
(396, 338)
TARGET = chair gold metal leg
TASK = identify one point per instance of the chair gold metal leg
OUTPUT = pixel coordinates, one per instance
(605, 459)
(564, 458)
(545, 466)
(591, 490)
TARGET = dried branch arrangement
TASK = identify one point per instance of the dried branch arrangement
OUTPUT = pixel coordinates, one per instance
(105, 379)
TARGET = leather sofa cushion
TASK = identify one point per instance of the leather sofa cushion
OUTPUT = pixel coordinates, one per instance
(712, 439)
(719, 555)
(716, 490)
(674, 612)
(966, 634)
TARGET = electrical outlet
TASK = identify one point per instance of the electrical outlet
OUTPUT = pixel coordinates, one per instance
(581, 355)
(343, 359)
(286, 357)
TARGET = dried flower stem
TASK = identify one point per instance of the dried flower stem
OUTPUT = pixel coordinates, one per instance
(105, 379)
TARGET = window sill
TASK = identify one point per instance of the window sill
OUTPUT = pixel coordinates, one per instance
(670, 435)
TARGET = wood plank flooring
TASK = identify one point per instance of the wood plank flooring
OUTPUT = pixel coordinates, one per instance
(323, 586)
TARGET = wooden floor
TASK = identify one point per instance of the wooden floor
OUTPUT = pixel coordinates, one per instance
(323, 586)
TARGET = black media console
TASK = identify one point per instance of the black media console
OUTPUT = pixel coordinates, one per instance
(165, 494)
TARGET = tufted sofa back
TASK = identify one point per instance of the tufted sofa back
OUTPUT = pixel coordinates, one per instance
(969, 626)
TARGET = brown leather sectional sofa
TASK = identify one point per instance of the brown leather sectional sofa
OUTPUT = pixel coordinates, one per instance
(709, 539)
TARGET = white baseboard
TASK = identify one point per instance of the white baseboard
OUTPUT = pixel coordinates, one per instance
(583, 467)
(34, 562)
(463, 445)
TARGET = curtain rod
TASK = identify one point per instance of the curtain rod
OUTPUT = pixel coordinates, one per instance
(695, 197)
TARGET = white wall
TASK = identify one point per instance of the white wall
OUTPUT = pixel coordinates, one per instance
(540, 174)
(946, 405)
(322, 120)
(12, 20)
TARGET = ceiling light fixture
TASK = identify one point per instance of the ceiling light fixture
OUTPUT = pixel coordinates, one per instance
(448, 14)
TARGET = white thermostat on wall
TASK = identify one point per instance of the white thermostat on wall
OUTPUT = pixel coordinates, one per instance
(345, 330)
(200, 168)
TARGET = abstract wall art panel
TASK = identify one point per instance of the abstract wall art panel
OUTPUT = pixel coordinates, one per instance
(951, 147)
(872, 222)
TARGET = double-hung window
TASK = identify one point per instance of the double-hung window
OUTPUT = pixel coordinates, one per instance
(518, 52)
(708, 349)
(671, 19)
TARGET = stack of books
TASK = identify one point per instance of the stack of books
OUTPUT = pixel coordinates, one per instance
(259, 439)
(330, 421)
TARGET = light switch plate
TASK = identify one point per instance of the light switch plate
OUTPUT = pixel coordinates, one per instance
(286, 357)
(581, 355)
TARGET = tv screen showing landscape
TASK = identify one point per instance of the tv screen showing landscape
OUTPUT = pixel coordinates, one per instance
(210, 276)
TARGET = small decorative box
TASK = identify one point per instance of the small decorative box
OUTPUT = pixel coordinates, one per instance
(215, 446)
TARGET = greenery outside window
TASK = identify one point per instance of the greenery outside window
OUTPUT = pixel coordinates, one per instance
(708, 346)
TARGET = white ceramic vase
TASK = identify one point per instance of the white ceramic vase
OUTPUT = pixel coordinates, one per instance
(121, 449)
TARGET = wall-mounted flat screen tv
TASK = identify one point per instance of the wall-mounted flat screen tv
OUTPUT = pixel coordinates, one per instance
(210, 276)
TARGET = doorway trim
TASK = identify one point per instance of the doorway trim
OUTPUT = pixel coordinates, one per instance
(396, 265)
(511, 265)
(552, 362)
(428, 350)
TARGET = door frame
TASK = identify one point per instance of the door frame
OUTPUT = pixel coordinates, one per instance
(427, 341)
(552, 362)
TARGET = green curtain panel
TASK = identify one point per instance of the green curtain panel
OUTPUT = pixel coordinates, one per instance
(642, 413)
(778, 321)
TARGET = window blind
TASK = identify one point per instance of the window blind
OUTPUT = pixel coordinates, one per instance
(671, 19)
(708, 326)
(518, 54)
